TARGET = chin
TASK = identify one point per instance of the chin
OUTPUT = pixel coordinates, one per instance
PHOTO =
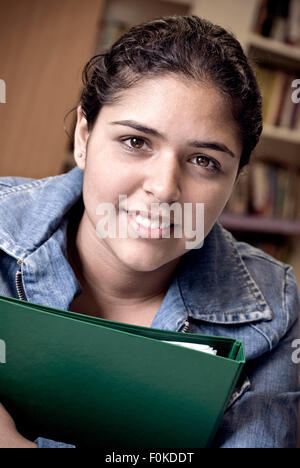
(143, 260)
(144, 264)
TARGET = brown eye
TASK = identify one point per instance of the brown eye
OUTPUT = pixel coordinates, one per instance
(136, 143)
(207, 163)
(201, 160)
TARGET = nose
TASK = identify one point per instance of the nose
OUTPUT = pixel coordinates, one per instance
(162, 180)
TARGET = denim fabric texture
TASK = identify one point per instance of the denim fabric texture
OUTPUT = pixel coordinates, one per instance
(226, 288)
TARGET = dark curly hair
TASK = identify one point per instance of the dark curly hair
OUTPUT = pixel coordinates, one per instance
(183, 45)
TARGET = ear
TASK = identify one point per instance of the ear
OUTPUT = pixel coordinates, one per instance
(81, 136)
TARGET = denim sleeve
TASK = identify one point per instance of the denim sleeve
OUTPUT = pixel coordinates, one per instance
(266, 416)
(47, 443)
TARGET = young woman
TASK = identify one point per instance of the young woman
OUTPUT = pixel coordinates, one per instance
(169, 115)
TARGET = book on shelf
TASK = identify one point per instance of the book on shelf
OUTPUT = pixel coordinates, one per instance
(279, 20)
(267, 190)
(278, 106)
(293, 23)
(297, 202)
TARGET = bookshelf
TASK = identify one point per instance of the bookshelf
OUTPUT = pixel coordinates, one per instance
(282, 134)
(120, 15)
(272, 49)
(278, 145)
(252, 223)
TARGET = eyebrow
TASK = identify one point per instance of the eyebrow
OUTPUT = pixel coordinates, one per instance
(213, 145)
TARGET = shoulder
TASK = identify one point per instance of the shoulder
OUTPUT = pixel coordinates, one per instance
(262, 265)
(275, 279)
(260, 262)
(23, 188)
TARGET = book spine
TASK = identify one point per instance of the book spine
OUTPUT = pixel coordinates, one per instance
(267, 190)
(277, 96)
(283, 96)
(279, 20)
(293, 23)
(259, 189)
(261, 16)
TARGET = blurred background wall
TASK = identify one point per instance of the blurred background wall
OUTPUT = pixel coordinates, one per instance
(44, 45)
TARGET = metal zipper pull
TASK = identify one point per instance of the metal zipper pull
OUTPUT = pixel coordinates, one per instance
(18, 282)
(186, 326)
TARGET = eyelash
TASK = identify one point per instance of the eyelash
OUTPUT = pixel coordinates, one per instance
(134, 138)
(215, 169)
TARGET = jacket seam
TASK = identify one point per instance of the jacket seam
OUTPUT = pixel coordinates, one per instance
(284, 297)
(20, 188)
(229, 319)
(11, 252)
(263, 334)
(284, 300)
(182, 297)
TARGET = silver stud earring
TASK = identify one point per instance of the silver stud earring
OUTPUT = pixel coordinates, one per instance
(79, 155)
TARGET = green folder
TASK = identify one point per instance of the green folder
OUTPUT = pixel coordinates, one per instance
(92, 382)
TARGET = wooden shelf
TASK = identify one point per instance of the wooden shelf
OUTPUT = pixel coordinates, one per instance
(181, 2)
(263, 50)
(280, 145)
(260, 224)
(275, 47)
(282, 134)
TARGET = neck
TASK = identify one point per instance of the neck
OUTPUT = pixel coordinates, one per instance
(104, 277)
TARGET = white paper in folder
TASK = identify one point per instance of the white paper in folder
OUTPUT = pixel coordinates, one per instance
(196, 346)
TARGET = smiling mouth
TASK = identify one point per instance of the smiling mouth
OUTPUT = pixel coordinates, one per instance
(145, 228)
(145, 220)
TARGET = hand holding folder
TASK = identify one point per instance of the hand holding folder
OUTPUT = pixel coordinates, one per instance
(96, 383)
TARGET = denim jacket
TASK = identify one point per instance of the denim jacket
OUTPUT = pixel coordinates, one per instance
(225, 288)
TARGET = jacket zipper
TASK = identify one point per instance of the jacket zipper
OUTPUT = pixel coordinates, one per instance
(18, 281)
(186, 326)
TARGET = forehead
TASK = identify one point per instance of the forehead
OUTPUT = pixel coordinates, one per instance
(176, 93)
(172, 105)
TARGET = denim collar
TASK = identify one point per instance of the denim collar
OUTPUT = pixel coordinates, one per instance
(211, 284)
(37, 208)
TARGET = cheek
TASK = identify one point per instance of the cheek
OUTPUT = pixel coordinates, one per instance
(100, 188)
(214, 194)
(107, 176)
(214, 197)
